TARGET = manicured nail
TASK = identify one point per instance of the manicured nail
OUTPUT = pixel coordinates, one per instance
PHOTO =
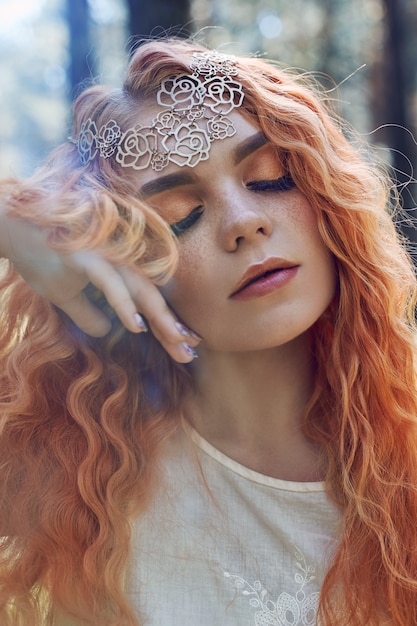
(140, 323)
(182, 329)
(190, 351)
(186, 332)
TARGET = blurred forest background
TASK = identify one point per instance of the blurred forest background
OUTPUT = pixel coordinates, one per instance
(50, 49)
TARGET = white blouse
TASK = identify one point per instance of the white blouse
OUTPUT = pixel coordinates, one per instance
(222, 545)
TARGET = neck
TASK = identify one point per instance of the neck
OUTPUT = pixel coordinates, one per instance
(251, 405)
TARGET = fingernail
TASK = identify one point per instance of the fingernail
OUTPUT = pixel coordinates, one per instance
(182, 329)
(140, 322)
(190, 351)
(186, 332)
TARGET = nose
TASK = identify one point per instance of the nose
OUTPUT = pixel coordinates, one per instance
(242, 220)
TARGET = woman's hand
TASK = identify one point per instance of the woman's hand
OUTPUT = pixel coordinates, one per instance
(62, 278)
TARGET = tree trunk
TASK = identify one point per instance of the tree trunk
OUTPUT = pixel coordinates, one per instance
(81, 66)
(158, 18)
(399, 83)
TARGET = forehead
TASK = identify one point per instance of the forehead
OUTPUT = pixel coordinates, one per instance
(246, 139)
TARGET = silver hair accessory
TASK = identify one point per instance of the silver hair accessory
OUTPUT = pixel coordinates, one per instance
(195, 113)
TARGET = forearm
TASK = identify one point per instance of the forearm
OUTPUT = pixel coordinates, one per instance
(5, 246)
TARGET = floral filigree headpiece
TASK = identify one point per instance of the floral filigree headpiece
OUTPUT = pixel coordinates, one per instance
(195, 113)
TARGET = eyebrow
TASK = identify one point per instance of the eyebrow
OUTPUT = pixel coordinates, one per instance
(164, 183)
(249, 145)
(158, 185)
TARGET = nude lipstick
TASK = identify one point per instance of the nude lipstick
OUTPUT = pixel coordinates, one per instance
(261, 279)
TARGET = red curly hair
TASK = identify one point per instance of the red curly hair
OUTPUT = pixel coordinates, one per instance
(80, 429)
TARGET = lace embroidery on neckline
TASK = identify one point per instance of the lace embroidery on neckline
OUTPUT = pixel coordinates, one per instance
(298, 609)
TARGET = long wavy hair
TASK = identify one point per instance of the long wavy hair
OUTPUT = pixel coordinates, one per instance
(82, 419)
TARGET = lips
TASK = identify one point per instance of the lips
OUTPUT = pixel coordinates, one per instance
(260, 272)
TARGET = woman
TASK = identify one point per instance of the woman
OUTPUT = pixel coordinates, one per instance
(271, 480)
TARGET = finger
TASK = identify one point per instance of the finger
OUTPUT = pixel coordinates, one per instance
(107, 279)
(126, 291)
(85, 315)
(181, 352)
(163, 322)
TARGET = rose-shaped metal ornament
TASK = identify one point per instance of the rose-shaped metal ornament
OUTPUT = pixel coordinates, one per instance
(189, 145)
(136, 147)
(220, 127)
(222, 95)
(108, 138)
(87, 146)
(181, 93)
(194, 114)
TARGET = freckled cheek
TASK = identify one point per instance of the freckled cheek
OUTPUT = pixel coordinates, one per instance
(189, 289)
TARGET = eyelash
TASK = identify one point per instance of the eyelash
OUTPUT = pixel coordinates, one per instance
(178, 228)
(285, 183)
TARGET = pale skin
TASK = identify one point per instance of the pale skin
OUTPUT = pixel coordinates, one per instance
(254, 372)
(61, 280)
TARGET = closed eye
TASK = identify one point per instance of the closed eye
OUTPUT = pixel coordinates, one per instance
(178, 228)
(284, 183)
